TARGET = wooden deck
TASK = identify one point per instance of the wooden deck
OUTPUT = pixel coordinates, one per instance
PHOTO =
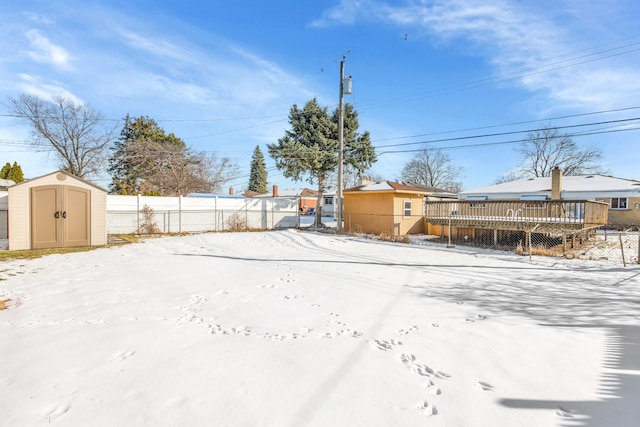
(545, 216)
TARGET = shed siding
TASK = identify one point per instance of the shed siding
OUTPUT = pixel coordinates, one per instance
(19, 219)
(369, 213)
(413, 224)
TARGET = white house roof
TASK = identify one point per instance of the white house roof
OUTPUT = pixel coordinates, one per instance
(571, 186)
(297, 192)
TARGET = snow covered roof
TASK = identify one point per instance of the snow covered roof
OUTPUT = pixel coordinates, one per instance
(396, 186)
(570, 184)
(297, 192)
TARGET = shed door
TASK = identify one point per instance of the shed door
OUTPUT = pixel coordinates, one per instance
(46, 226)
(76, 218)
(60, 216)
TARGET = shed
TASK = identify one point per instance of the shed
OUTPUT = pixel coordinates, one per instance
(57, 210)
(385, 207)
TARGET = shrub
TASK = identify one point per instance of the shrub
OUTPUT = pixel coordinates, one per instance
(147, 223)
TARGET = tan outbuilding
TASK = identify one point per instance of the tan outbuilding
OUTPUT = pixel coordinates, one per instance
(387, 207)
(57, 210)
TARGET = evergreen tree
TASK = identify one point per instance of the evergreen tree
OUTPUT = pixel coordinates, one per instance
(258, 174)
(12, 172)
(310, 148)
(136, 152)
(15, 173)
(146, 160)
(4, 172)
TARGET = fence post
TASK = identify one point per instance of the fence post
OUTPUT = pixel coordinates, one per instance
(138, 213)
(179, 215)
(624, 262)
(215, 214)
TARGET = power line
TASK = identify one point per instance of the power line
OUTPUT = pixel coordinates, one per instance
(487, 144)
(507, 133)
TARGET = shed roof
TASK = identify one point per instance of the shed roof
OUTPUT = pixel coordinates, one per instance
(73, 177)
(396, 187)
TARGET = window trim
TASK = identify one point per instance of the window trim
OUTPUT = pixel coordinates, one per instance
(618, 199)
(410, 209)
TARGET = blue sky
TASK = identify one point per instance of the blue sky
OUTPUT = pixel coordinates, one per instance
(222, 75)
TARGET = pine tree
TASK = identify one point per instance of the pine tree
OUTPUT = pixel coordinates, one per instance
(136, 152)
(310, 148)
(15, 173)
(12, 172)
(4, 172)
(258, 174)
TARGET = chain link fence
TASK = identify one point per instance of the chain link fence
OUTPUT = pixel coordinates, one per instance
(616, 247)
(149, 221)
(4, 224)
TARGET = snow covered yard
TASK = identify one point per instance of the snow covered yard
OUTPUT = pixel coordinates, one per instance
(294, 328)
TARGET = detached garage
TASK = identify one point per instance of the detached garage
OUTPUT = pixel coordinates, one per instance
(55, 211)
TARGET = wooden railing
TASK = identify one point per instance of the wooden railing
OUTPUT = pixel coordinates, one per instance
(518, 214)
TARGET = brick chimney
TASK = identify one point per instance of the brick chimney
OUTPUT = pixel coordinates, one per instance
(556, 183)
(231, 191)
(275, 191)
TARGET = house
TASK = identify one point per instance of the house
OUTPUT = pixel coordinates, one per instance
(329, 204)
(621, 195)
(56, 210)
(387, 207)
(308, 199)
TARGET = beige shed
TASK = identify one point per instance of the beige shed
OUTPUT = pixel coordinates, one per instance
(57, 210)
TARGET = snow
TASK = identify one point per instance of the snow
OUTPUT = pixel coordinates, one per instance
(299, 328)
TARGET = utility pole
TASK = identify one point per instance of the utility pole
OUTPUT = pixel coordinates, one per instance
(339, 218)
(341, 141)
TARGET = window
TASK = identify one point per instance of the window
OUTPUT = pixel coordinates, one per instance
(328, 200)
(618, 203)
(407, 208)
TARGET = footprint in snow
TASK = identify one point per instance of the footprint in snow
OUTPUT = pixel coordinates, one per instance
(385, 345)
(57, 412)
(407, 331)
(484, 386)
(564, 413)
(426, 408)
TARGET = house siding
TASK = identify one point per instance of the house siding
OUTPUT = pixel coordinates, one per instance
(623, 217)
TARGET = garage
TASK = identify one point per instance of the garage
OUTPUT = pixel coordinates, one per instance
(57, 210)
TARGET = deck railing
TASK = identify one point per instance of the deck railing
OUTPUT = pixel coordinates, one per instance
(518, 214)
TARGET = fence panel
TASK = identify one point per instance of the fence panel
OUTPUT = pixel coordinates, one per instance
(128, 214)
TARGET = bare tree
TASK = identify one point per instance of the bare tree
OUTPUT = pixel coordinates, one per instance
(434, 168)
(75, 132)
(180, 171)
(547, 148)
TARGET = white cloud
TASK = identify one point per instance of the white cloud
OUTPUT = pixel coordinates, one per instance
(517, 39)
(35, 85)
(43, 50)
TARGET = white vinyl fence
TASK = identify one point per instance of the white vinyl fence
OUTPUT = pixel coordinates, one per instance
(132, 214)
